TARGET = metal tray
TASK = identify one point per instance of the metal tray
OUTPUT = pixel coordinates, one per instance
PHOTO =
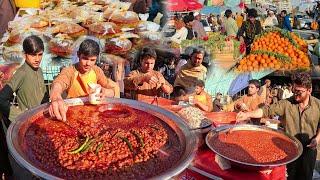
(211, 136)
(17, 129)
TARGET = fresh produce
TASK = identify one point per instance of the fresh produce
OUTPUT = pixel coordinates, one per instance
(215, 43)
(277, 50)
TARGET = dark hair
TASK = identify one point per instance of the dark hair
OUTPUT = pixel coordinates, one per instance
(200, 83)
(198, 51)
(228, 13)
(252, 13)
(147, 52)
(302, 79)
(255, 82)
(284, 11)
(187, 19)
(32, 45)
(89, 47)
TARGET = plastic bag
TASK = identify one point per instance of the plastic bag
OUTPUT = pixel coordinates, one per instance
(148, 26)
(71, 29)
(122, 18)
(118, 46)
(61, 45)
(104, 29)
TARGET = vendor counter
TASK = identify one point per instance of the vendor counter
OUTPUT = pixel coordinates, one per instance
(204, 165)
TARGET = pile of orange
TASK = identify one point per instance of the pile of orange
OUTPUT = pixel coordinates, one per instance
(275, 51)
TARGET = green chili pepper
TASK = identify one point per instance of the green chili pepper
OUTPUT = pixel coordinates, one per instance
(127, 142)
(139, 138)
(87, 146)
(81, 147)
(99, 147)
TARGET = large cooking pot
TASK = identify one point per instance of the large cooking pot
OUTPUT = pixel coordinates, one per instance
(17, 130)
(212, 136)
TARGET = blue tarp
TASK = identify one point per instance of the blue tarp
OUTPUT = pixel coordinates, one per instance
(211, 10)
(218, 9)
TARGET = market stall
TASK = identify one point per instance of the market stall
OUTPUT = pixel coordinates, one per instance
(63, 25)
(205, 163)
(86, 142)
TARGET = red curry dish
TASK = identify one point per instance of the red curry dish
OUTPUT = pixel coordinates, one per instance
(103, 143)
(254, 147)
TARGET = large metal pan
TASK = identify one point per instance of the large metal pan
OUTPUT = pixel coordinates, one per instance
(18, 128)
(212, 135)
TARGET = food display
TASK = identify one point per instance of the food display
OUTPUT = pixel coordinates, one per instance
(277, 50)
(118, 46)
(192, 115)
(104, 29)
(61, 45)
(61, 24)
(254, 146)
(71, 29)
(122, 18)
(216, 44)
(103, 141)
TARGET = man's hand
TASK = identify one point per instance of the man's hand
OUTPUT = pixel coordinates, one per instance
(151, 79)
(58, 109)
(242, 116)
(314, 143)
(106, 93)
(241, 39)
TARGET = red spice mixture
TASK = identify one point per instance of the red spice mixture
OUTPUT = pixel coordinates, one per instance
(121, 143)
(256, 147)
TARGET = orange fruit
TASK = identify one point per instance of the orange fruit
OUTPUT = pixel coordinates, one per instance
(271, 65)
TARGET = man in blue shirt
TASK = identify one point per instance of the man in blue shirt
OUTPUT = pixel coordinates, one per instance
(286, 21)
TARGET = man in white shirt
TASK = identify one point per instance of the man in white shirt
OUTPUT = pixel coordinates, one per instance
(271, 20)
(181, 32)
(197, 26)
(287, 92)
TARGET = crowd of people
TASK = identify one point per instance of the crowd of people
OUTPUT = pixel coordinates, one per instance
(176, 79)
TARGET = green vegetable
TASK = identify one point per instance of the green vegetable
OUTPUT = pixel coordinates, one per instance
(75, 151)
(139, 138)
(99, 148)
(127, 142)
(87, 146)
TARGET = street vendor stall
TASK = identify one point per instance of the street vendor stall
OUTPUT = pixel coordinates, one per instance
(81, 141)
(205, 163)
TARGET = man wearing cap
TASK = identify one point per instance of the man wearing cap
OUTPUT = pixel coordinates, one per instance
(271, 20)
(249, 29)
(197, 26)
